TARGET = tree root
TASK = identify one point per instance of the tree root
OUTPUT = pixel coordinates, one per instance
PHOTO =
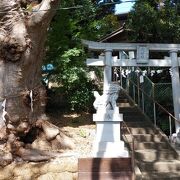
(49, 137)
(54, 136)
(5, 158)
(33, 155)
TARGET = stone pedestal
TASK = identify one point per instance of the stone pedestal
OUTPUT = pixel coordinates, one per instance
(107, 142)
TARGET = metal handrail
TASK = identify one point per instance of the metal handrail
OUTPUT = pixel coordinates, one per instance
(133, 149)
(155, 101)
(140, 92)
(154, 104)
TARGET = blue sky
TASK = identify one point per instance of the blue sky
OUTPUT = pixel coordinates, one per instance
(123, 7)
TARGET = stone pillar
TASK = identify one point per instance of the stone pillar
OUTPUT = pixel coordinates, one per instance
(107, 68)
(107, 142)
(175, 86)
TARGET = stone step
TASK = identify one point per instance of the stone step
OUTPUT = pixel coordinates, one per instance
(145, 138)
(131, 114)
(122, 96)
(143, 130)
(151, 155)
(129, 118)
(130, 109)
(160, 166)
(148, 145)
(160, 175)
(154, 156)
(124, 104)
(151, 145)
(122, 100)
(139, 124)
(126, 175)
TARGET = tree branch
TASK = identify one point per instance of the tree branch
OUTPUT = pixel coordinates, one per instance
(45, 10)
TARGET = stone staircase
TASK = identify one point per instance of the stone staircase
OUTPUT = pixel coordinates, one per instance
(155, 158)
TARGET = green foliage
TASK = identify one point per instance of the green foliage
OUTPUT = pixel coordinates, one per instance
(82, 133)
(155, 21)
(65, 51)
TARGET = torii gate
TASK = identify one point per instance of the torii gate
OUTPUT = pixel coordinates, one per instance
(141, 60)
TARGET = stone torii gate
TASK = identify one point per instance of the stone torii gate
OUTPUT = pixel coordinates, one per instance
(142, 51)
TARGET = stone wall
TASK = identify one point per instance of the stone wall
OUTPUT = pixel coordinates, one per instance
(61, 168)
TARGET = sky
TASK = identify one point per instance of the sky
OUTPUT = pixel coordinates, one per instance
(123, 7)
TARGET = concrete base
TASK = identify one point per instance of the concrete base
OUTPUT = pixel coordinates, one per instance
(109, 149)
(108, 131)
(107, 142)
(108, 125)
(103, 146)
(112, 154)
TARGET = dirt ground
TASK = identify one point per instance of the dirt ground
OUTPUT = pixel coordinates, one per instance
(78, 126)
(81, 130)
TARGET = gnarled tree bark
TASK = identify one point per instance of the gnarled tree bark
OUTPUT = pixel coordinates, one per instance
(22, 96)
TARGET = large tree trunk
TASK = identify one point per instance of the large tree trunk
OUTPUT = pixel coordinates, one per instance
(22, 96)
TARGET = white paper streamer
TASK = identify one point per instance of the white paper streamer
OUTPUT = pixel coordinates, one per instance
(128, 71)
(170, 72)
(152, 73)
(31, 97)
(123, 74)
(141, 77)
(159, 71)
(137, 71)
(144, 73)
(117, 75)
(4, 110)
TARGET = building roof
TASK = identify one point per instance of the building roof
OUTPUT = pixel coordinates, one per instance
(112, 34)
(119, 35)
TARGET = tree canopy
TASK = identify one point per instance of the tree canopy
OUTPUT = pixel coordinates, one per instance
(155, 21)
(65, 51)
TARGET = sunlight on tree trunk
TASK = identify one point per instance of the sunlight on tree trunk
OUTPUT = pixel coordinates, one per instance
(22, 95)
